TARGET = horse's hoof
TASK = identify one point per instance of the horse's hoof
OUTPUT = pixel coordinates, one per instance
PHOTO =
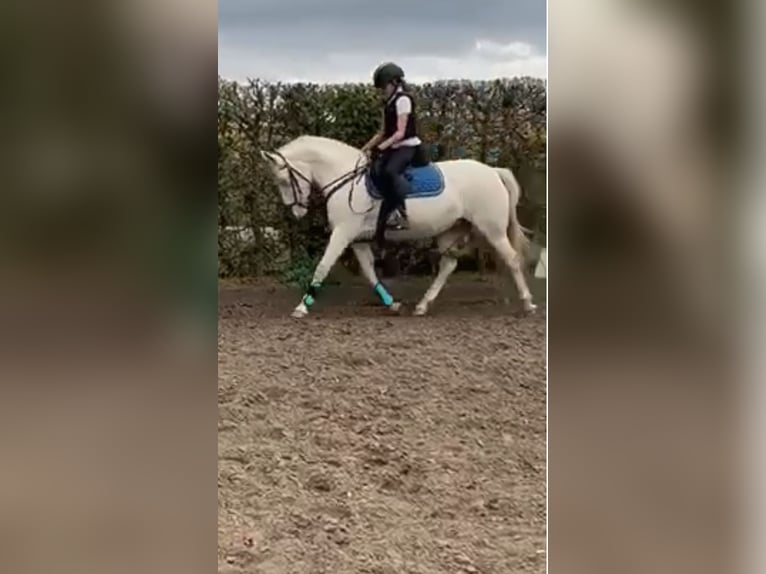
(300, 312)
(529, 307)
(420, 311)
(395, 307)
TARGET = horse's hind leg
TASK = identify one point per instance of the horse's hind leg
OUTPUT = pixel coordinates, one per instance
(449, 244)
(499, 240)
(447, 264)
(366, 259)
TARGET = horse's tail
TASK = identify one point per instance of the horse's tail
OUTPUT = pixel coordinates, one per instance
(515, 230)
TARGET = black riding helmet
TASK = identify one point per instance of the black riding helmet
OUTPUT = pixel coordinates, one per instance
(387, 73)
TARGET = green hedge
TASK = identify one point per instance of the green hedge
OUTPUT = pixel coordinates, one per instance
(499, 122)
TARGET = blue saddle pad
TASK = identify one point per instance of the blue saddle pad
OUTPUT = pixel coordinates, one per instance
(426, 181)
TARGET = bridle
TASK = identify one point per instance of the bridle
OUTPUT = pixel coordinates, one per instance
(294, 176)
(354, 176)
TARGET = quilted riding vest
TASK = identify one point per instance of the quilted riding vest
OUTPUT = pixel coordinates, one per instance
(390, 117)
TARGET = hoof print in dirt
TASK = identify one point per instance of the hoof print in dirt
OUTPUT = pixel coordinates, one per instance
(320, 483)
(240, 559)
(390, 481)
(336, 532)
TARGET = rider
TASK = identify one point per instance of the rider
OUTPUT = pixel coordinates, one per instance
(397, 143)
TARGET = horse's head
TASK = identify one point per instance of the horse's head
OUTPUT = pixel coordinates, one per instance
(311, 163)
(294, 180)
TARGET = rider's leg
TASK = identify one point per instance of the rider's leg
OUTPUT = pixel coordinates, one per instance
(387, 192)
(380, 227)
(394, 169)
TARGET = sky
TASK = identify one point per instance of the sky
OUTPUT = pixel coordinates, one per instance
(344, 40)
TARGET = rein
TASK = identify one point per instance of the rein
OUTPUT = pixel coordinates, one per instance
(353, 176)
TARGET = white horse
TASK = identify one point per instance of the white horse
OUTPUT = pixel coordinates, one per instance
(475, 197)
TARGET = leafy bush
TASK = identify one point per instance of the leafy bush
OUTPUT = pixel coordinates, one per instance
(499, 122)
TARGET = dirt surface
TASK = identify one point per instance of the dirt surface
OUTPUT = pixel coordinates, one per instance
(354, 441)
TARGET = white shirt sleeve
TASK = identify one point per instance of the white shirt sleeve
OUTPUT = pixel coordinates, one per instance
(403, 106)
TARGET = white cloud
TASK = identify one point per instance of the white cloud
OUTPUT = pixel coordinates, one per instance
(487, 60)
(513, 49)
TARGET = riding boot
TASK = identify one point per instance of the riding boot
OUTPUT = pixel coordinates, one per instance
(398, 219)
(402, 190)
(380, 228)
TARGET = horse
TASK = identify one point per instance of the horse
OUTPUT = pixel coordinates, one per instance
(450, 201)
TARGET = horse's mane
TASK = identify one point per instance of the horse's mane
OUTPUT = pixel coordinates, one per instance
(317, 142)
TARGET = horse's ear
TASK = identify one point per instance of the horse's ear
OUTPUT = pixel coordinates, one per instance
(276, 159)
(269, 156)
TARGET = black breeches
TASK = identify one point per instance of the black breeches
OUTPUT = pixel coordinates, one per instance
(391, 166)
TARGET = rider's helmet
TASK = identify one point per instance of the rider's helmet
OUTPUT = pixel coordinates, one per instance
(387, 73)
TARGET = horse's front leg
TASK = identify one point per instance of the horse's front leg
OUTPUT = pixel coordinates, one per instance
(366, 259)
(339, 240)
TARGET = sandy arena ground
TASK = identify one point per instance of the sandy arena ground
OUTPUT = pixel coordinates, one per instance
(358, 442)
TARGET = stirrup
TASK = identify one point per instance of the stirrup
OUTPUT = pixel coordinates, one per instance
(397, 221)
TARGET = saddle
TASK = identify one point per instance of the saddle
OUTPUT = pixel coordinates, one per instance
(426, 179)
